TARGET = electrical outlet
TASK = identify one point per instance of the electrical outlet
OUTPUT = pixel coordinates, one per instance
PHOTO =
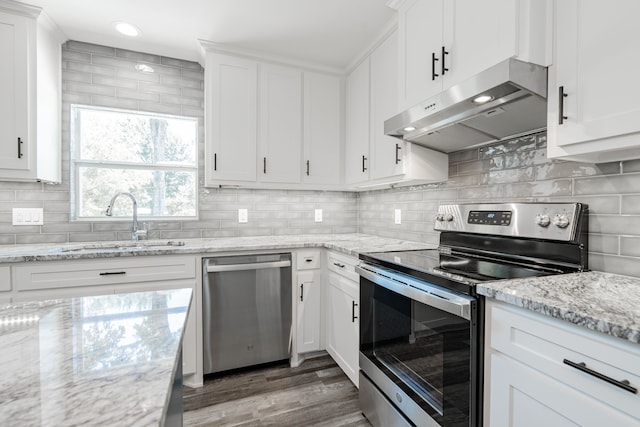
(397, 216)
(318, 215)
(27, 216)
(243, 215)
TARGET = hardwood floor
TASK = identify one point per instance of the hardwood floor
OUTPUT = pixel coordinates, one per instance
(317, 393)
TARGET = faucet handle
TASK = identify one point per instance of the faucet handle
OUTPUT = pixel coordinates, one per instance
(141, 233)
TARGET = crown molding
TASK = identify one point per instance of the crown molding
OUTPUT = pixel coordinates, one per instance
(15, 7)
(208, 46)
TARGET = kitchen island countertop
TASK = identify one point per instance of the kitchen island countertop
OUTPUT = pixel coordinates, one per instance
(603, 302)
(91, 361)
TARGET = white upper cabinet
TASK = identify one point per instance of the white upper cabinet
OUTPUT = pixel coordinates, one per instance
(29, 96)
(322, 129)
(386, 151)
(231, 119)
(373, 159)
(595, 65)
(271, 126)
(420, 27)
(443, 42)
(280, 124)
(357, 125)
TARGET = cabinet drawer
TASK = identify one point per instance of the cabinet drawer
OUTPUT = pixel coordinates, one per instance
(343, 265)
(5, 278)
(68, 274)
(545, 344)
(308, 260)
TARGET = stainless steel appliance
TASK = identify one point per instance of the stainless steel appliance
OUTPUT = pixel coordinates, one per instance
(421, 321)
(246, 310)
(503, 101)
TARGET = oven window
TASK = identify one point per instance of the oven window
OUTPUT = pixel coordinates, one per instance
(424, 350)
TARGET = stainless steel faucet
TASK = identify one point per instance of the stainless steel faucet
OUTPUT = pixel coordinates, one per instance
(136, 231)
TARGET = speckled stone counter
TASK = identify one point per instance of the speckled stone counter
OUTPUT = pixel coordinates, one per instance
(91, 361)
(603, 302)
(351, 244)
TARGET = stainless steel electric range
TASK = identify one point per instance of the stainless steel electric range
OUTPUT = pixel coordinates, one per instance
(421, 321)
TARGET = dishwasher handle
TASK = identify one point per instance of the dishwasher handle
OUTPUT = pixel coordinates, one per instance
(248, 266)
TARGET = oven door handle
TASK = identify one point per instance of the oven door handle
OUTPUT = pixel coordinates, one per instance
(423, 292)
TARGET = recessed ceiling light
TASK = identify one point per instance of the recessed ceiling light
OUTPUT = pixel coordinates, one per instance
(483, 99)
(144, 68)
(409, 129)
(127, 29)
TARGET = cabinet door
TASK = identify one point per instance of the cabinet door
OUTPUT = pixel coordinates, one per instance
(322, 132)
(357, 125)
(524, 397)
(231, 96)
(420, 39)
(478, 35)
(343, 324)
(596, 65)
(386, 151)
(280, 124)
(308, 324)
(14, 92)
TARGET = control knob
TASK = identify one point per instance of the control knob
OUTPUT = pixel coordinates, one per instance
(560, 221)
(448, 217)
(440, 217)
(543, 220)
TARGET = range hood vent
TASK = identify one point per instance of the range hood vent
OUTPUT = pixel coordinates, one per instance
(452, 121)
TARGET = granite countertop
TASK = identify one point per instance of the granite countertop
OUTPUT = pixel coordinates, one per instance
(352, 244)
(91, 361)
(603, 302)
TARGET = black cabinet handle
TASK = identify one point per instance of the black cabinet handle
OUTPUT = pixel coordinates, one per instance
(264, 165)
(444, 68)
(623, 384)
(398, 148)
(112, 273)
(433, 66)
(19, 147)
(561, 97)
(337, 264)
(307, 167)
(364, 168)
(353, 311)
(215, 161)
(308, 260)
(301, 291)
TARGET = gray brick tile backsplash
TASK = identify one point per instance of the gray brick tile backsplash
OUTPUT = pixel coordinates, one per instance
(179, 63)
(514, 170)
(88, 47)
(138, 56)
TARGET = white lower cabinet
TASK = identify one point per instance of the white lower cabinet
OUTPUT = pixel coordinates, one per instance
(56, 279)
(531, 381)
(308, 302)
(342, 318)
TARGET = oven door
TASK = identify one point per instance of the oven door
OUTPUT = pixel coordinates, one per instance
(418, 345)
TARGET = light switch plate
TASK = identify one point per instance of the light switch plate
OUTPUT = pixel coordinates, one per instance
(318, 215)
(397, 216)
(27, 216)
(243, 215)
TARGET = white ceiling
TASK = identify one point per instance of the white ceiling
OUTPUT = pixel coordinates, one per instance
(330, 33)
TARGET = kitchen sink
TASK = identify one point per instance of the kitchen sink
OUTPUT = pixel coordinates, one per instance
(150, 244)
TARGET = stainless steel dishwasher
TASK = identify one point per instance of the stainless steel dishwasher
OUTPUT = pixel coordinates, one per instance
(246, 310)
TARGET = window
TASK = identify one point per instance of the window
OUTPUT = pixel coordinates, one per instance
(152, 156)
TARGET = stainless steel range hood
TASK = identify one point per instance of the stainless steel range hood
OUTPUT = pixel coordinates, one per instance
(452, 121)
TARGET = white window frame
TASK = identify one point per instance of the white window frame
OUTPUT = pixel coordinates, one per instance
(76, 164)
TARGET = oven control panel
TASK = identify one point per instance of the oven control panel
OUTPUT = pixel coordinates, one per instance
(490, 217)
(553, 221)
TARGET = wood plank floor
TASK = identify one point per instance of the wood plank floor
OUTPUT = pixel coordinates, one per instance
(317, 393)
